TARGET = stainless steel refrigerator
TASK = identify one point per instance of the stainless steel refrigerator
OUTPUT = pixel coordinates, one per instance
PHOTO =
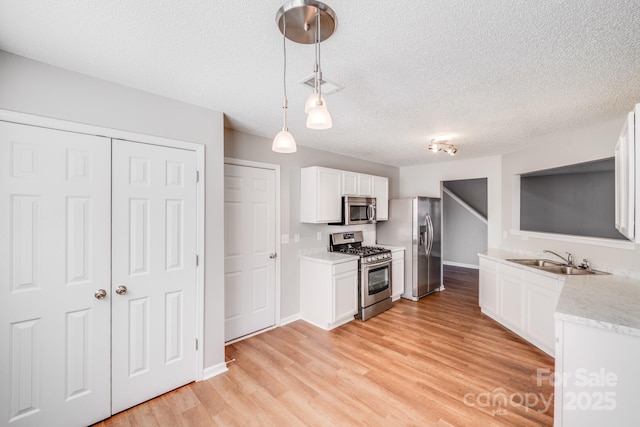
(414, 223)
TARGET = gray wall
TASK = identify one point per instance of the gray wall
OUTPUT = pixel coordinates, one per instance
(239, 145)
(35, 88)
(581, 204)
(472, 191)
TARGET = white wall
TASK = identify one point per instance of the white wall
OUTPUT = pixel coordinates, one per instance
(243, 146)
(563, 148)
(35, 88)
(576, 146)
(424, 180)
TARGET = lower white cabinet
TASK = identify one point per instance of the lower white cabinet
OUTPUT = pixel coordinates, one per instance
(397, 274)
(521, 300)
(328, 292)
(596, 376)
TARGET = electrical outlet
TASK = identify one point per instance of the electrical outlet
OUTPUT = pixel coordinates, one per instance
(284, 239)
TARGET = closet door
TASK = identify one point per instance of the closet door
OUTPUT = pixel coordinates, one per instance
(154, 271)
(54, 277)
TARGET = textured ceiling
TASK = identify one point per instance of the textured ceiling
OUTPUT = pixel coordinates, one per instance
(490, 73)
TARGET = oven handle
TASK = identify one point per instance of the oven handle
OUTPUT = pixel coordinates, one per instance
(377, 264)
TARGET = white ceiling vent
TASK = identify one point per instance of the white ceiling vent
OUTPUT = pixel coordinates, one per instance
(328, 87)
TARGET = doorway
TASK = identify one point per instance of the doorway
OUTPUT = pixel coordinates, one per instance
(464, 221)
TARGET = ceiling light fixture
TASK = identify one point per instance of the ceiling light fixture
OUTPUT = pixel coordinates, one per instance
(438, 144)
(319, 117)
(311, 22)
(284, 141)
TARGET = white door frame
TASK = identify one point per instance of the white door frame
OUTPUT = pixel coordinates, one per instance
(46, 122)
(276, 169)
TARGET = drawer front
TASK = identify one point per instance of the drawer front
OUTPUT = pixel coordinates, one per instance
(507, 270)
(345, 267)
(545, 282)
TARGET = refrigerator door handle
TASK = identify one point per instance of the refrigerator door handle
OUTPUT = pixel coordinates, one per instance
(430, 239)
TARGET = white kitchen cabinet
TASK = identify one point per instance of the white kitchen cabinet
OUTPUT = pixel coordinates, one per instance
(627, 180)
(541, 297)
(522, 300)
(397, 273)
(328, 291)
(321, 191)
(349, 183)
(358, 184)
(320, 195)
(488, 293)
(365, 185)
(596, 376)
(381, 193)
(510, 297)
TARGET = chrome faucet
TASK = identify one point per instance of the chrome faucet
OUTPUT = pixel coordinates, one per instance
(568, 260)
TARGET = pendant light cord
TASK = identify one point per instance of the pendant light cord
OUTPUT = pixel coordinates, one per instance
(319, 78)
(284, 74)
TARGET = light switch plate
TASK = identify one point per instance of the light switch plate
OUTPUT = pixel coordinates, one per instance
(319, 235)
(296, 238)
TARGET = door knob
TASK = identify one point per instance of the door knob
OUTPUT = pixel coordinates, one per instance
(121, 290)
(273, 255)
(100, 294)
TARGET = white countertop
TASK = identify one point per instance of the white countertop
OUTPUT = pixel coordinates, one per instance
(329, 257)
(601, 301)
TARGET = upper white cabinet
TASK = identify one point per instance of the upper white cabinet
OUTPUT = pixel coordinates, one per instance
(365, 185)
(321, 191)
(357, 184)
(627, 179)
(320, 195)
(381, 193)
(349, 183)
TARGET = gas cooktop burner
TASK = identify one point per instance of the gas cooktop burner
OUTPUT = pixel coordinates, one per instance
(364, 250)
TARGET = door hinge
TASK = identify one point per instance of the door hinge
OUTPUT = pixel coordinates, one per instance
(197, 176)
(196, 343)
(197, 260)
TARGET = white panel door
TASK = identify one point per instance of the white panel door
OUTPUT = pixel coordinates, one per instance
(250, 274)
(54, 255)
(154, 258)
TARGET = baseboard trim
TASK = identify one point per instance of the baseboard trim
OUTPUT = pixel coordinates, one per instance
(460, 264)
(215, 370)
(290, 319)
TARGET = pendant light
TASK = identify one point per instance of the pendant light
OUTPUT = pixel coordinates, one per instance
(284, 142)
(319, 117)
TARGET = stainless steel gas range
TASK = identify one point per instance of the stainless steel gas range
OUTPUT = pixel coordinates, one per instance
(374, 272)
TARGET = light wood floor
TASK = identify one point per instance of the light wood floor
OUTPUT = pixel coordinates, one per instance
(438, 361)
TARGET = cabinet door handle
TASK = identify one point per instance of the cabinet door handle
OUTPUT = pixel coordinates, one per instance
(273, 255)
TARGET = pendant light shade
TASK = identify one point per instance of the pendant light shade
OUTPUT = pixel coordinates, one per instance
(284, 142)
(319, 117)
(312, 100)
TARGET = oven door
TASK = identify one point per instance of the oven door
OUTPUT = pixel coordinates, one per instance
(375, 283)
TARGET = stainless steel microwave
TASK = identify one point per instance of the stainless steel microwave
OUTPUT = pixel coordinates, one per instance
(358, 210)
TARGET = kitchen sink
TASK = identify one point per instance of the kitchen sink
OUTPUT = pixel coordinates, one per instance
(554, 267)
(536, 262)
